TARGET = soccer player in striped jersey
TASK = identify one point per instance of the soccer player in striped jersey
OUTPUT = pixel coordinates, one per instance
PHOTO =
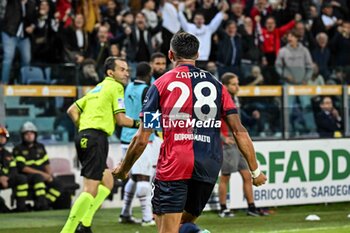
(188, 104)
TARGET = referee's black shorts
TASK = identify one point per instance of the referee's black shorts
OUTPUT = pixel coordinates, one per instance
(92, 149)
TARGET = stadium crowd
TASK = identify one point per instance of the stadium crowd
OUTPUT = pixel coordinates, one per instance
(235, 35)
(264, 42)
(257, 42)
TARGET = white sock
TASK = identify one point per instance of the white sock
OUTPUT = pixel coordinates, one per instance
(143, 192)
(129, 193)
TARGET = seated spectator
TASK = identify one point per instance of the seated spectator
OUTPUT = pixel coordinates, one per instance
(18, 25)
(316, 78)
(46, 47)
(328, 120)
(294, 63)
(321, 54)
(33, 162)
(75, 41)
(9, 177)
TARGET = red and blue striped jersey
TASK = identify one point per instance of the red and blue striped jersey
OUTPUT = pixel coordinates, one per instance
(191, 102)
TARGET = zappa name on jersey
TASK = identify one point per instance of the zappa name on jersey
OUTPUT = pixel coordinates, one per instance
(183, 74)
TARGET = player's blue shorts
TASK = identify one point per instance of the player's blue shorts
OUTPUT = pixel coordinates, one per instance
(177, 196)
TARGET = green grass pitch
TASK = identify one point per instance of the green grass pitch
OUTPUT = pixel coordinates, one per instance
(283, 219)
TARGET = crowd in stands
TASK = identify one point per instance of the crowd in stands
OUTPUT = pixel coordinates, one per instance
(264, 42)
(289, 39)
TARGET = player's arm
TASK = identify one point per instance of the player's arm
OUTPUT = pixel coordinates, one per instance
(135, 149)
(74, 114)
(246, 147)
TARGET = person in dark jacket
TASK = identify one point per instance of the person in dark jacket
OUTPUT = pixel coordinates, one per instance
(139, 42)
(76, 40)
(99, 48)
(9, 177)
(328, 120)
(18, 25)
(46, 48)
(229, 50)
(340, 46)
(33, 162)
(321, 55)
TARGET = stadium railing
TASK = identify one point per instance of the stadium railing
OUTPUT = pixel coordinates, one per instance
(285, 112)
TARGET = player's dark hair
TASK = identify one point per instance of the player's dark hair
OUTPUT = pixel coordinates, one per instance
(143, 70)
(184, 45)
(226, 77)
(157, 55)
(110, 63)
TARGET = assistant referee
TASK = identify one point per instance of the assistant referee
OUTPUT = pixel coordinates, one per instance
(95, 115)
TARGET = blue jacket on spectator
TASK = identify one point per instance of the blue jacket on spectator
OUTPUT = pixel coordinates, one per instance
(322, 58)
(341, 49)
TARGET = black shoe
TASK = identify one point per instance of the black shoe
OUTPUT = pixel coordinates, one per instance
(83, 229)
(254, 212)
(129, 220)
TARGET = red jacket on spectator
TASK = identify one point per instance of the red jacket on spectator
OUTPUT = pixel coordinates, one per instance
(272, 39)
(64, 7)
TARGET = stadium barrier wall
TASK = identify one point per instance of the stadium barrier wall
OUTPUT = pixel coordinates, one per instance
(299, 172)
